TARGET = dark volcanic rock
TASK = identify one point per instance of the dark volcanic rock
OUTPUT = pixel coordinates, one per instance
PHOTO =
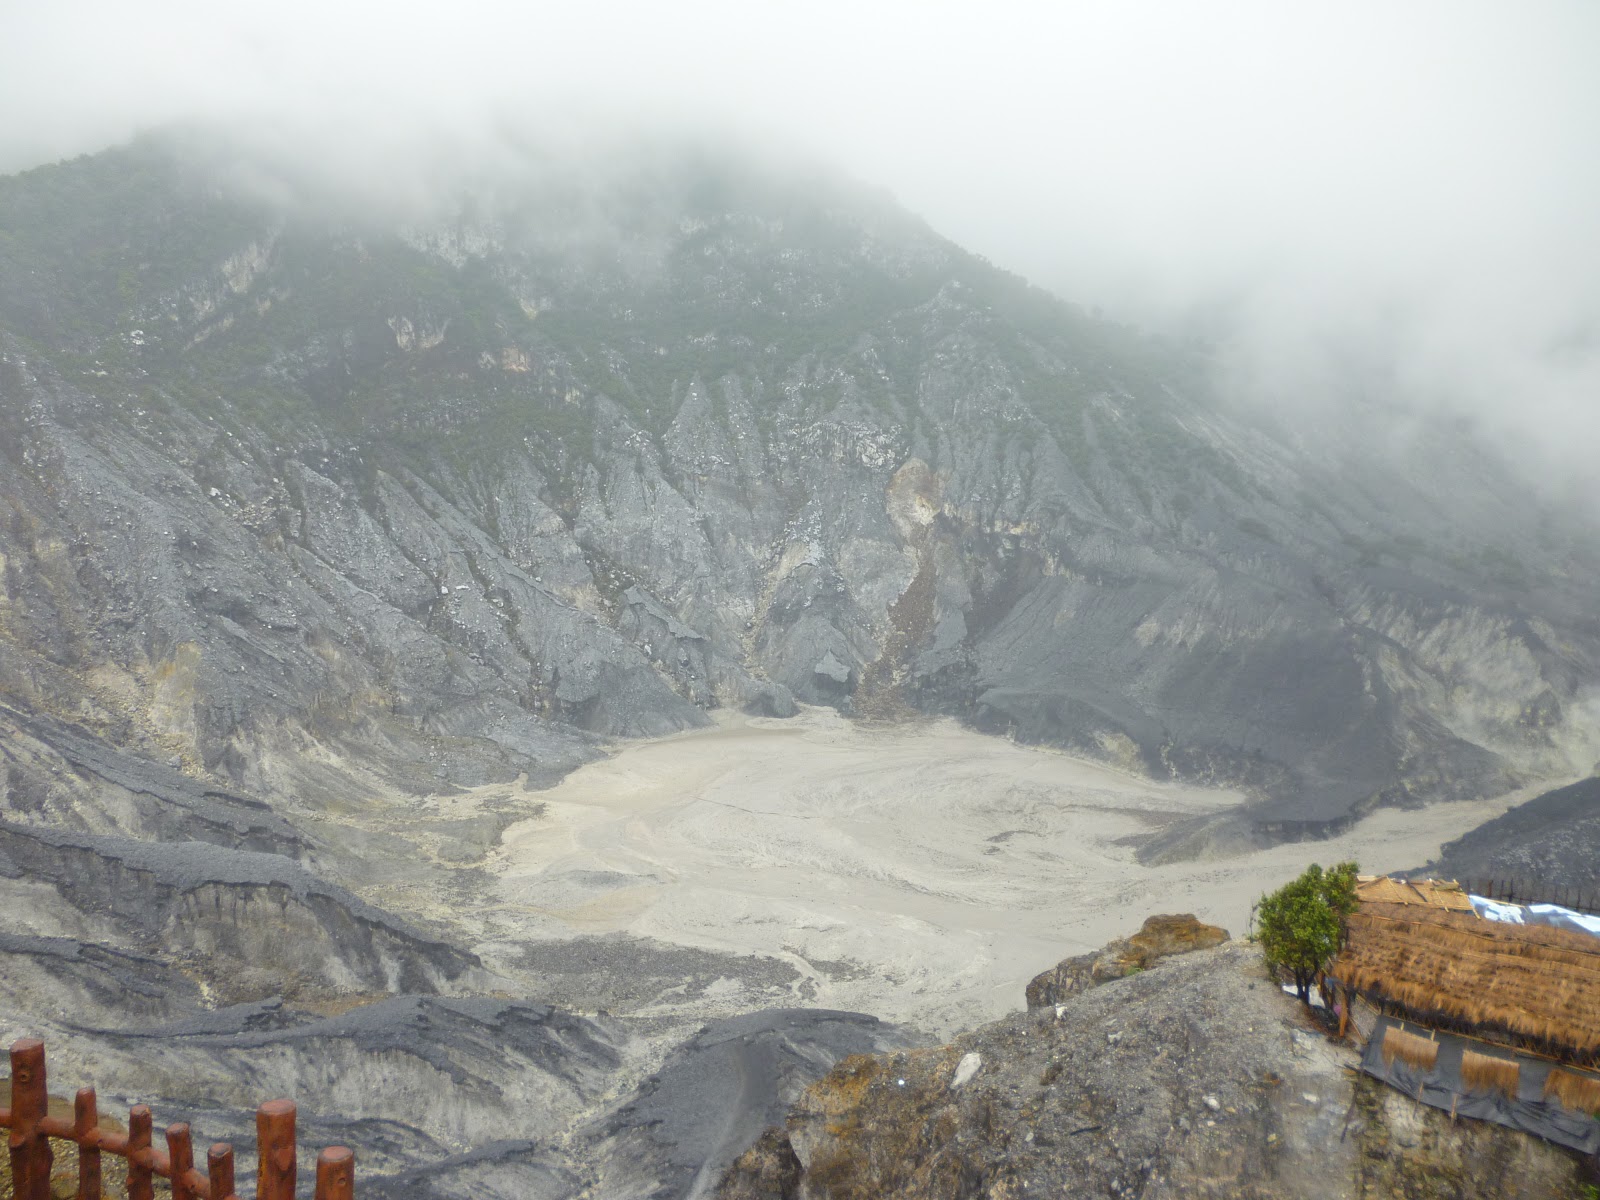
(169, 805)
(90, 984)
(503, 1170)
(1552, 840)
(463, 1071)
(717, 1092)
(244, 913)
(621, 974)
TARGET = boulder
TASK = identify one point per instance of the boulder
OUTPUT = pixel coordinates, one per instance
(768, 1170)
(1162, 935)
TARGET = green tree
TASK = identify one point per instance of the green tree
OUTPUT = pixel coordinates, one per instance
(1301, 926)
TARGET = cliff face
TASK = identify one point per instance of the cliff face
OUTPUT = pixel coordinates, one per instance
(1196, 1077)
(442, 499)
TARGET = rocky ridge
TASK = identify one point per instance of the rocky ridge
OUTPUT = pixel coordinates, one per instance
(1196, 1077)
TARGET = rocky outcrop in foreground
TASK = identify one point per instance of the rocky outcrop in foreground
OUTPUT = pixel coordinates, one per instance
(1160, 937)
(1196, 1077)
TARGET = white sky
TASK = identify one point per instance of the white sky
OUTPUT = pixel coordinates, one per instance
(1417, 179)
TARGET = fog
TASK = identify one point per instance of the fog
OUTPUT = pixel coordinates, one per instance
(1380, 197)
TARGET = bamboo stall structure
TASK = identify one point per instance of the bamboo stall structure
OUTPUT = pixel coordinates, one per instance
(31, 1128)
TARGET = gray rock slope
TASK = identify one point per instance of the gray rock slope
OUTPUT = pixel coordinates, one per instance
(433, 1091)
(85, 982)
(443, 1096)
(58, 773)
(464, 1071)
(241, 916)
(436, 500)
(1552, 840)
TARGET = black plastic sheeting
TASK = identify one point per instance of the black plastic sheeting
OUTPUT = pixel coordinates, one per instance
(1442, 1088)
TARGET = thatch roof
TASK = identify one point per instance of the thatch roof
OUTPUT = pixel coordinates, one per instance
(1521, 983)
(1436, 893)
(1581, 1092)
(1486, 1073)
(1411, 1048)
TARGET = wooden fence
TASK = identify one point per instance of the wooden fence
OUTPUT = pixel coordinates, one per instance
(1535, 891)
(32, 1127)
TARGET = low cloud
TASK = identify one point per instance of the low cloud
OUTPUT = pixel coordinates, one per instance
(1351, 195)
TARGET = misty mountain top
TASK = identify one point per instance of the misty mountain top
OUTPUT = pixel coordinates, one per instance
(735, 435)
(706, 257)
(702, 258)
(1338, 194)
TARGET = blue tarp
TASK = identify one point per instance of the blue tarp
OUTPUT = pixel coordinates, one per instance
(1536, 914)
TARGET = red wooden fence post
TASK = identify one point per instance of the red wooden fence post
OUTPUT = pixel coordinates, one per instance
(32, 1157)
(85, 1120)
(141, 1182)
(336, 1174)
(180, 1160)
(219, 1170)
(275, 1176)
(30, 1101)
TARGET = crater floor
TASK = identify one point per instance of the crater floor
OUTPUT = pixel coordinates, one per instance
(918, 872)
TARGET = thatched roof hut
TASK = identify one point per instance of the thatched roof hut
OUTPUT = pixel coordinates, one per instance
(1528, 985)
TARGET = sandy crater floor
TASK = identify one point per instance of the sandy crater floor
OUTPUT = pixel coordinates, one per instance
(921, 873)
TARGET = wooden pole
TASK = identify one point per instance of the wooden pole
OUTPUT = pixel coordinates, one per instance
(180, 1160)
(85, 1120)
(31, 1155)
(219, 1170)
(275, 1176)
(141, 1179)
(336, 1174)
